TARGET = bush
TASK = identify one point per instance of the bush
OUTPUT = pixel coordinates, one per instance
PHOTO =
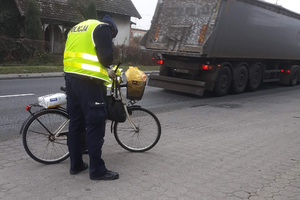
(45, 59)
(26, 51)
(132, 55)
(9, 19)
(33, 22)
(12, 50)
(90, 11)
(87, 8)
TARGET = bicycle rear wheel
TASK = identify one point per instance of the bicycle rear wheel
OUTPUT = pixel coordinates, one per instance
(39, 140)
(145, 137)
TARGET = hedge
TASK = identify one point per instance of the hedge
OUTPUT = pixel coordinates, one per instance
(31, 52)
(26, 51)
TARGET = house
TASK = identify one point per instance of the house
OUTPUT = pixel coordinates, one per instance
(121, 11)
(59, 16)
(135, 32)
(136, 35)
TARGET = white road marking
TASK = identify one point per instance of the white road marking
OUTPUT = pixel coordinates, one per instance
(16, 95)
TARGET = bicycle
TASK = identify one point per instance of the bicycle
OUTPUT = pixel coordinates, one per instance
(45, 132)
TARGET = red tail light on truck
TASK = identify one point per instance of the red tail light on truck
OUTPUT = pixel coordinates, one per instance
(160, 62)
(207, 67)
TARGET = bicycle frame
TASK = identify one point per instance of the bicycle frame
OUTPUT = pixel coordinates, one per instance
(45, 131)
(126, 106)
(56, 133)
(130, 104)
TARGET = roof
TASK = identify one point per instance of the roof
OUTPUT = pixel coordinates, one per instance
(57, 10)
(122, 7)
(63, 11)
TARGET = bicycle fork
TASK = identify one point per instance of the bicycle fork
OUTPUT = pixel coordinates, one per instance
(135, 128)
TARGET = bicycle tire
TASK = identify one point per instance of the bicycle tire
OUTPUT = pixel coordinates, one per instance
(147, 136)
(39, 143)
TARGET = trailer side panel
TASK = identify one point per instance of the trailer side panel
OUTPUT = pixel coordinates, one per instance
(245, 30)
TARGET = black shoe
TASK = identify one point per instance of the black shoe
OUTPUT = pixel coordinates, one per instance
(83, 167)
(109, 175)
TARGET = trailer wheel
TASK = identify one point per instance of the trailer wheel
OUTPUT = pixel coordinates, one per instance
(223, 82)
(294, 77)
(241, 79)
(255, 77)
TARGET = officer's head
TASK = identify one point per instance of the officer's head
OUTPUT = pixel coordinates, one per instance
(110, 21)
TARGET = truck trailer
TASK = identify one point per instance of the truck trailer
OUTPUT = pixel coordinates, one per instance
(223, 46)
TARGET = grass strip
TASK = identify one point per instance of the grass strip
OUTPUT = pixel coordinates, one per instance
(45, 69)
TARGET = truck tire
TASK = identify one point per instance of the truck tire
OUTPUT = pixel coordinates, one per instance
(223, 81)
(240, 82)
(294, 76)
(255, 77)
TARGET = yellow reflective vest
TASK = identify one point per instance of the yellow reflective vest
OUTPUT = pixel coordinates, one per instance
(80, 56)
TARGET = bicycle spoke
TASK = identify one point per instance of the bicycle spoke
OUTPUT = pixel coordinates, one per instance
(42, 146)
(147, 134)
(38, 132)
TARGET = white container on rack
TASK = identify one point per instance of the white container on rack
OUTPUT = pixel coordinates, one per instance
(52, 100)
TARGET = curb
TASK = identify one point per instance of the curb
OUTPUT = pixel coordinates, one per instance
(33, 75)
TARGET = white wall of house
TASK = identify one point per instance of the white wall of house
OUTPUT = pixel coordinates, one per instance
(123, 24)
(137, 32)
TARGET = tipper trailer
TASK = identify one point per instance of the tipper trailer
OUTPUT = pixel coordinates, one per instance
(223, 45)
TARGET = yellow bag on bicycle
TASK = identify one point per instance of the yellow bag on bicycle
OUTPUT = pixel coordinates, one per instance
(136, 82)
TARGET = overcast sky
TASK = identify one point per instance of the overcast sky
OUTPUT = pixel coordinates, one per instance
(293, 5)
(146, 8)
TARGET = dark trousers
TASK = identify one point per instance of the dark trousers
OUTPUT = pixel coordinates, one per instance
(87, 111)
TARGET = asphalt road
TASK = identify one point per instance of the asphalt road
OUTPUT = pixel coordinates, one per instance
(237, 147)
(15, 94)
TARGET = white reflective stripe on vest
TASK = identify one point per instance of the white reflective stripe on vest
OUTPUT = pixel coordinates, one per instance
(81, 55)
(90, 57)
(90, 67)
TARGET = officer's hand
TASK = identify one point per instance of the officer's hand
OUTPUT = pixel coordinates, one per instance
(111, 73)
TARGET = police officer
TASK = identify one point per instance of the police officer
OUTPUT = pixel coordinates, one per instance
(87, 57)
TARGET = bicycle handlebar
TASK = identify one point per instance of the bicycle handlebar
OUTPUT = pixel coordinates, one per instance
(117, 67)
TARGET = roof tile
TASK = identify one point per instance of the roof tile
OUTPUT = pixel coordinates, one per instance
(63, 11)
(123, 7)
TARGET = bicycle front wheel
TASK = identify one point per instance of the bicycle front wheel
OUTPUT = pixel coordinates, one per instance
(146, 134)
(45, 136)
